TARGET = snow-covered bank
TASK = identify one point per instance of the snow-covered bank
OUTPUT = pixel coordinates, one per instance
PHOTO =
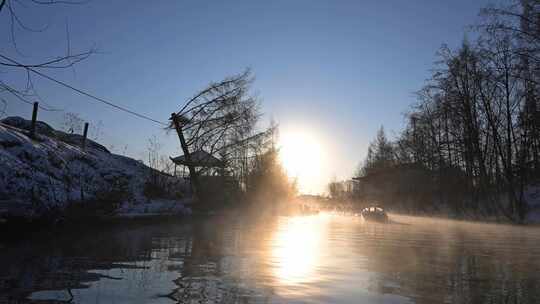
(52, 171)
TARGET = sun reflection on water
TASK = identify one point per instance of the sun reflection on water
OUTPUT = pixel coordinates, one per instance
(296, 249)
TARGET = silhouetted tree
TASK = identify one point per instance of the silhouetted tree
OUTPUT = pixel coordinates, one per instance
(268, 181)
(380, 154)
(220, 120)
(475, 128)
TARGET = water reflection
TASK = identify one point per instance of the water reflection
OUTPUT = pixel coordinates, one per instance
(314, 259)
(296, 249)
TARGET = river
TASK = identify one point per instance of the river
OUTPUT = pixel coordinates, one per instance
(325, 258)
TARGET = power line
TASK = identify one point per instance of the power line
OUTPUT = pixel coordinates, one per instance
(22, 99)
(121, 108)
(39, 106)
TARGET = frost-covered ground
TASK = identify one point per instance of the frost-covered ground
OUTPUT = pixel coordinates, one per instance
(51, 171)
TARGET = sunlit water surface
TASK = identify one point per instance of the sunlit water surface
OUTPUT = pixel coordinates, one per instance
(324, 258)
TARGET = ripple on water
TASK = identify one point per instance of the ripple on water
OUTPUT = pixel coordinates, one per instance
(314, 259)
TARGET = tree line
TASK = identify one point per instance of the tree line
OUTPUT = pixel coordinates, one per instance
(471, 143)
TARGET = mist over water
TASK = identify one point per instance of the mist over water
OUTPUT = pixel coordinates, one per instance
(325, 258)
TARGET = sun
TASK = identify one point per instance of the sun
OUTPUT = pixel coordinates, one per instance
(301, 155)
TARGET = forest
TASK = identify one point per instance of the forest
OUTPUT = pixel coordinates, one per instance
(471, 143)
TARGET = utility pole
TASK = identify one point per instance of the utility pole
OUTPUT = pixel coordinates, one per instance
(192, 172)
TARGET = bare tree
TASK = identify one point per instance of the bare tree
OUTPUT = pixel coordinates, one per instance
(4, 108)
(96, 131)
(217, 120)
(475, 129)
(72, 123)
(25, 91)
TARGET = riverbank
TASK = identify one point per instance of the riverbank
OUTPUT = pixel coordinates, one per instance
(52, 173)
(27, 229)
(532, 218)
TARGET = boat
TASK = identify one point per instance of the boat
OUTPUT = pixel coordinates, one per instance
(374, 214)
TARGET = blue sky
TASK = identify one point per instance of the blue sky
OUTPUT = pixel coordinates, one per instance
(339, 69)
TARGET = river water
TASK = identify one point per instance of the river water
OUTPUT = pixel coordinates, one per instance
(325, 258)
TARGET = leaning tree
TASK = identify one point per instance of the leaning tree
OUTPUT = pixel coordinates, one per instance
(219, 120)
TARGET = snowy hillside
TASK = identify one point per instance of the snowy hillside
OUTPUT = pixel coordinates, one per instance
(52, 171)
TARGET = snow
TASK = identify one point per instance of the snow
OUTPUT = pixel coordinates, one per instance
(51, 171)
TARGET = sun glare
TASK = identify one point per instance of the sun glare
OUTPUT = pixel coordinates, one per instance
(301, 155)
(296, 249)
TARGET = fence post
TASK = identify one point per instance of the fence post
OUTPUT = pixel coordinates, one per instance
(34, 119)
(85, 134)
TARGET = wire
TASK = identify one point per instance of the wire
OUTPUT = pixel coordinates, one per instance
(40, 106)
(22, 99)
(85, 93)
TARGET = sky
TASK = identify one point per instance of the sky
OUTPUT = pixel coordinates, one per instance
(336, 70)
